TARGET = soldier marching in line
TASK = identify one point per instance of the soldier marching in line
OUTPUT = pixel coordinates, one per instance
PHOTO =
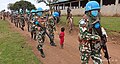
(22, 21)
(51, 29)
(41, 34)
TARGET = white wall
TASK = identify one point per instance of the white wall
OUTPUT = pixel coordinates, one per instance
(109, 10)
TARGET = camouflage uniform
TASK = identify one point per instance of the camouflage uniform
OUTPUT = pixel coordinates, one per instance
(85, 46)
(33, 31)
(95, 45)
(22, 22)
(17, 21)
(33, 28)
(11, 17)
(51, 28)
(41, 37)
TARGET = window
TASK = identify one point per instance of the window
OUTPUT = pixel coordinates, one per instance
(108, 2)
(83, 3)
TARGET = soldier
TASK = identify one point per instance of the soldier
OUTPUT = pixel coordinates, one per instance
(51, 29)
(22, 22)
(17, 20)
(41, 35)
(4, 15)
(27, 19)
(33, 27)
(11, 17)
(83, 38)
(32, 19)
(92, 11)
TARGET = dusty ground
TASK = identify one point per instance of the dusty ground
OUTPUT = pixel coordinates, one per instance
(70, 53)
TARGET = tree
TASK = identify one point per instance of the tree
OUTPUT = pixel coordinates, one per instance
(48, 2)
(10, 6)
(21, 5)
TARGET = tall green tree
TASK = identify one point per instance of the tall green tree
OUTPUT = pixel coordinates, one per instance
(21, 5)
(10, 6)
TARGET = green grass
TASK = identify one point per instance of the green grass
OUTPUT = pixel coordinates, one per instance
(76, 20)
(11, 51)
(110, 23)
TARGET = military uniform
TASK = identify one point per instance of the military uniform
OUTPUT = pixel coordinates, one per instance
(85, 44)
(51, 28)
(92, 11)
(22, 22)
(11, 17)
(41, 36)
(17, 21)
(95, 47)
(33, 28)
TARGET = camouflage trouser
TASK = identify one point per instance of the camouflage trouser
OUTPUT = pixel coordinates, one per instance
(11, 19)
(85, 52)
(51, 33)
(95, 54)
(17, 22)
(33, 34)
(41, 39)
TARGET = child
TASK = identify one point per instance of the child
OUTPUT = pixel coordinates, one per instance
(61, 36)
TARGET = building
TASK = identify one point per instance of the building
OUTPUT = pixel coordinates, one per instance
(108, 7)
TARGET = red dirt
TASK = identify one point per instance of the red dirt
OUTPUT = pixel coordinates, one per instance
(70, 54)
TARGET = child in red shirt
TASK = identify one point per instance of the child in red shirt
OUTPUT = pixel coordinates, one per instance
(61, 36)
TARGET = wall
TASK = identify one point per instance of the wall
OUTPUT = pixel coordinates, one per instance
(109, 10)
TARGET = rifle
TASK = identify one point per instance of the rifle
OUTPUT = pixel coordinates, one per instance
(104, 47)
(103, 40)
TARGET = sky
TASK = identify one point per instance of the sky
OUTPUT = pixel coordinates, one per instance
(4, 3)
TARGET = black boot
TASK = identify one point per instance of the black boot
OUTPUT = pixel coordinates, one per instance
(52, 43)
(31, 35)
(34, 36)
(42, 53)
(22, 28)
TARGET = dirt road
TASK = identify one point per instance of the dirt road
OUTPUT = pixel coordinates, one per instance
(70, 53)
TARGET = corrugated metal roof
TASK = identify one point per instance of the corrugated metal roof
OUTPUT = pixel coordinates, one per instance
(62, 0)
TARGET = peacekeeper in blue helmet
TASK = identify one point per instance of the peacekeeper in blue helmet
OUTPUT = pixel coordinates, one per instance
(83, 37)
(92, 10)
(40, 22)
(51, 26)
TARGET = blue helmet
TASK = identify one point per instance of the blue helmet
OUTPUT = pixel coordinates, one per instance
(55, 14)
(39, 13)
(16, 12)
(36, 23)
(92, 5)
(28, 12)
(33, 11)
(39, 9)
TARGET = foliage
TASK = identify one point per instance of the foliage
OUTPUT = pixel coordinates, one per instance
(21, 5)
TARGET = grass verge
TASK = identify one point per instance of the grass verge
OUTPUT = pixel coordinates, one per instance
(13, 48)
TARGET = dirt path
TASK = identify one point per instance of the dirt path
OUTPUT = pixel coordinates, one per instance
(70, 53)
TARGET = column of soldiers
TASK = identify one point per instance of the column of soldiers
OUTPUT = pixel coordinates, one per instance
(18, 19)
(90, 36)
(38, 24)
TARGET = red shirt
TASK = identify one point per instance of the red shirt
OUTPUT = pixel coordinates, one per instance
(61, 36)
